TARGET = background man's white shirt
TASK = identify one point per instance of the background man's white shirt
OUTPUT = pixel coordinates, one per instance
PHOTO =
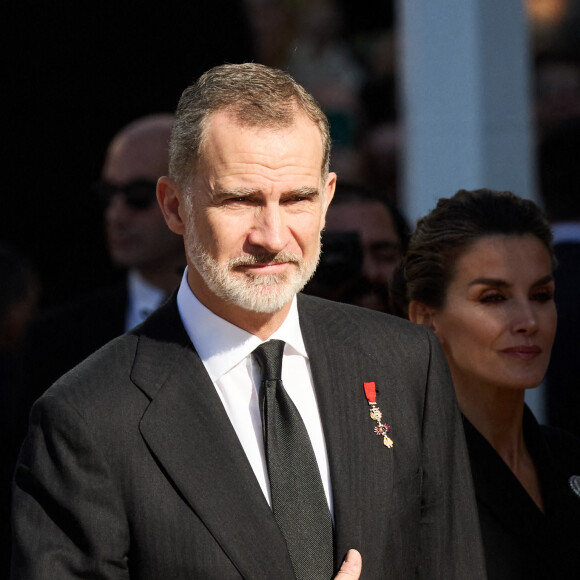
(143, 299)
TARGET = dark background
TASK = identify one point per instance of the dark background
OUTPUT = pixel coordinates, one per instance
(74, 74)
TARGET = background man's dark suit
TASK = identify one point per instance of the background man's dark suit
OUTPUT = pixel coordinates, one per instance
(563, 375)
(163, 489)
(559, 172)
(62, 337)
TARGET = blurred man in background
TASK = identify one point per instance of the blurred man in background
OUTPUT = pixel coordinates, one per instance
(138, 241)
(364, 239)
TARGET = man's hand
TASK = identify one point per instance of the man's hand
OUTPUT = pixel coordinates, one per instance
(351, 567)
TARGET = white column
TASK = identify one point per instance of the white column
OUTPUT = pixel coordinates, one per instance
(465, 76)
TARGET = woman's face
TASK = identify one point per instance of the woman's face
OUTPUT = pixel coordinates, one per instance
(498, 322)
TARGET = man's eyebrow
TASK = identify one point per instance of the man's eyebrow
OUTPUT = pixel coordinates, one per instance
(502, 283)
(219, 193)
(302, 192)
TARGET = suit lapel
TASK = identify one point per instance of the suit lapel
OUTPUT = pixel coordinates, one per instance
(360, 465)
(189, 433)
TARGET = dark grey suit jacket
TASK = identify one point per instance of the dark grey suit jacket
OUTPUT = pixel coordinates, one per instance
(62, 337)
(132, 469)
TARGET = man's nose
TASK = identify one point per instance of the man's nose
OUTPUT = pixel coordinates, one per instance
(370, 269)
(116, 209)
(269, 230)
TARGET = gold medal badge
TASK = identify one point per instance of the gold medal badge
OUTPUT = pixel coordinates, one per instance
(381, 429)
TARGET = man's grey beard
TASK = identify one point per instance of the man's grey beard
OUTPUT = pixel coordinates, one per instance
(265, 293)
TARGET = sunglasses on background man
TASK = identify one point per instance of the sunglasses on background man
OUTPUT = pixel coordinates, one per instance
(138, 194)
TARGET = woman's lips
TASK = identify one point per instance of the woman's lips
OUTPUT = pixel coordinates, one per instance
(523, 352)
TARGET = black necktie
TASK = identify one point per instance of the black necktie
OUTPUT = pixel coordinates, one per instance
(298, 499)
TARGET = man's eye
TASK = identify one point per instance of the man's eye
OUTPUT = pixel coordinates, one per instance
(296, 198)
(386, 252)
(238, 199)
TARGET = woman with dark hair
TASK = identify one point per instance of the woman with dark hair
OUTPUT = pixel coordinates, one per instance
(478, 272)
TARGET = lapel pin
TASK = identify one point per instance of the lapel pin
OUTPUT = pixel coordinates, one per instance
(382, 429)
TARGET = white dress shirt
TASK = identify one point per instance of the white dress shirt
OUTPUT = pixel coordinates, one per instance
(226, 352)
(143, 299)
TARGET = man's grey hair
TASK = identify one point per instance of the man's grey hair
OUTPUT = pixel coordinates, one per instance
(258, 96)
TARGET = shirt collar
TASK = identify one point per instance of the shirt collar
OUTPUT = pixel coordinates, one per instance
(222, 345)
(143, 295)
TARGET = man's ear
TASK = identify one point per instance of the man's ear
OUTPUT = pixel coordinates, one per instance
(329, 188)
(170, 199)
(422, 314)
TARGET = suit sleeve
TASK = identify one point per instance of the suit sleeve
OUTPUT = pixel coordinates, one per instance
(68, 519)
(451, 546)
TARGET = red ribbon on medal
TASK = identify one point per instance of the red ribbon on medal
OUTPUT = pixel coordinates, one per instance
(370, 392)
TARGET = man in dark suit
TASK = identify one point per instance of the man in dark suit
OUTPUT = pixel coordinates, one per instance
(183, 450)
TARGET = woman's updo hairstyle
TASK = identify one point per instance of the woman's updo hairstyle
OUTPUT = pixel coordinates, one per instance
(450, 229)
